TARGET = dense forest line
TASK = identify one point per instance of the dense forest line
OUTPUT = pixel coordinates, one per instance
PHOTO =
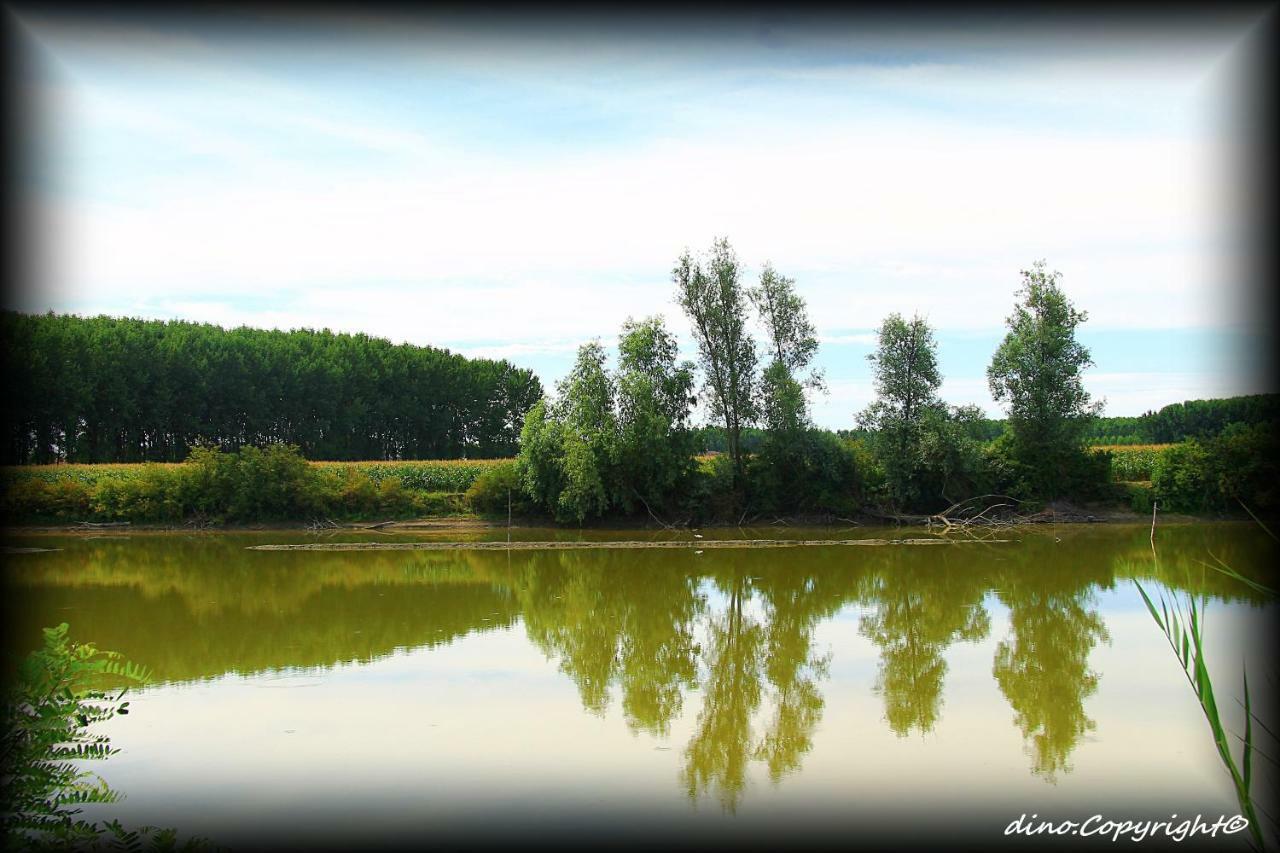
(104, 389)
(1199, 419)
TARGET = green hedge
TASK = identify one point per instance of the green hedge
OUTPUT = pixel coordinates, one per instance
(249, 485)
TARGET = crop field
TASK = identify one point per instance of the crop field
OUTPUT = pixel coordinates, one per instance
(428, 475)
(1133, 462)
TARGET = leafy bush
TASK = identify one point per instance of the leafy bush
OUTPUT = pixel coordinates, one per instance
(1247, 466)
(1218, 474)
(1080, 474)
(1139, 496)
(713, 493)
(253, 484)
(60, 691)
(496, 489)
(438, 503)
(157, 493)
(60, 499)
(1180, 479)
(822, 475)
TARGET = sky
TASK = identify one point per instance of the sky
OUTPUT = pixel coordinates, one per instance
(512, 188)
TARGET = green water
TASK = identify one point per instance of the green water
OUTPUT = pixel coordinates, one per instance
(887, 692)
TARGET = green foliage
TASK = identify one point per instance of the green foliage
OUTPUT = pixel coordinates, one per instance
(1240, 466)
(951, 464)
(568, 447)
(710, 292)
(157, 493)
(1083, 474)
(254, 484)
(1183, 627)
(793, 341)
(248, 485)
(540, 463)
(1208, 418)
(907, 418)
(612, 442)
(711, 439)
(497, 490)
(715, 495)
(798, 469)
(823, 476)
(434, 475)
(785, 415)
(1037, 371)
(654, 454)
(125, 390)
(1139, 496)
(587, 407)
(60, 692)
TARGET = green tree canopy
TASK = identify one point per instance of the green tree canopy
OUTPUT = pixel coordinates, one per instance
(1036, 372)
(104, 389)
(906, 383)
(710, 292)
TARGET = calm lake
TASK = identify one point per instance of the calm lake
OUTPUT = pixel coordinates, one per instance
(896, 693)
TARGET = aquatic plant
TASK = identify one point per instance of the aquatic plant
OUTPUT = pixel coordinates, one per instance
(1182, 622)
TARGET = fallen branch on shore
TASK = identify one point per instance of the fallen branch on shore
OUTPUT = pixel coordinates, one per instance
(558, 546)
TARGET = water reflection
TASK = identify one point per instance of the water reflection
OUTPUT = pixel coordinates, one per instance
(608, 621)
(729, 633)
(920, 610)
(1043, 667)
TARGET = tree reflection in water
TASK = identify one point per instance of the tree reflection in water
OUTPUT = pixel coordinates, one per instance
(1043, 668)
(920, 610)
(734, 629)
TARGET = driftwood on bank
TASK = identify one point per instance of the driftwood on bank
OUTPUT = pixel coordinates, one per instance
(698, 544)
(987, 511)
(97, 524)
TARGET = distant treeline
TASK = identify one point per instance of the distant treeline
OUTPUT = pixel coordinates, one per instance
(1175, 422)
(104, 389)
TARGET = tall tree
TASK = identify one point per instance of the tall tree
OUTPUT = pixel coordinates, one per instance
(710, 292)
(654, 392)
(1036, 371)
(793, 344)
(906, 382)
(586, 406)
(792, 338)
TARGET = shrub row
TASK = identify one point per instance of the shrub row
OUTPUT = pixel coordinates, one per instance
(248, 485)
(1215, 475)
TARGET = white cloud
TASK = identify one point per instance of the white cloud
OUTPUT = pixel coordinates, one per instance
(866, 224)
(921, 187)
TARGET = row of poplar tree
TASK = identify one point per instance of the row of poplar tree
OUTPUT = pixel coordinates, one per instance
(621, 441)
(103, 389)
